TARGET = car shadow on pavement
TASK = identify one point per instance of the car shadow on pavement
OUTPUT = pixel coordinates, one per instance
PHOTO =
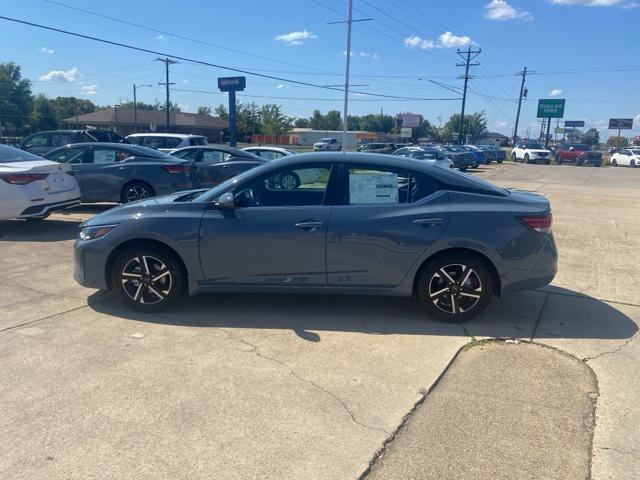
(48, 230)
(561, 312)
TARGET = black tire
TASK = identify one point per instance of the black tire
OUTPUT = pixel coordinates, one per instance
(547, 161)
(134, 191)
(133, 277)
(614, 163)
(289, 181)
(514, 157)
(444, 298)
(499, 161)
(526, 158)
(474, 166)
(632, 164)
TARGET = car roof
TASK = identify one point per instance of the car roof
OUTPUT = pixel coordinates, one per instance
(121, 146)
(174, 135)
(267, 149)
(233, 151)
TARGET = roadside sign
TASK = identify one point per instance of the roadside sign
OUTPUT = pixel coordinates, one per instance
(621, 123)
(408, 120)
(551, 108)
(406, 132)
(574, 123)
(232, 84)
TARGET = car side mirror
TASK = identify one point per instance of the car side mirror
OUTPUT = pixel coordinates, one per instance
(571, 149)
(227, 201)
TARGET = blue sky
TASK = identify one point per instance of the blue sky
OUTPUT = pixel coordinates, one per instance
(408, 43)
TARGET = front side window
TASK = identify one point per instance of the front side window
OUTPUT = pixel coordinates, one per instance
(376, 185)
(213, 156)
(186, 154)
(171, 142)
(197, 141)
(106, 155)
(68, 155)
(151, 142)
(61, 139)
(290, 186)
(403, 152)
(268, 154)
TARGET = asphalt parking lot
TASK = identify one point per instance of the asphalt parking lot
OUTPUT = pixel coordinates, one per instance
(237, 386)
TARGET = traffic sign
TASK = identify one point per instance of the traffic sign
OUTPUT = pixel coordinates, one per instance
(574, 123)
(621, 123)
(551, 108)
(232, 84)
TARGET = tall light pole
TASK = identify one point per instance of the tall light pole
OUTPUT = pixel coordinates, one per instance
(135, 105)
(115, 112)
(522, 94)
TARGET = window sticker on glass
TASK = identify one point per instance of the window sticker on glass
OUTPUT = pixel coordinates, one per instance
(369, 187)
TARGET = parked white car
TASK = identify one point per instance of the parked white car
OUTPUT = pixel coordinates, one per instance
(165, 142)
(300, 177)
(629, 157)
(327, 145)
(32, 187)
(531, 152)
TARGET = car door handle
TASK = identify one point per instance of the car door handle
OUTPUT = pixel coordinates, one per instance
(428, 221)
(309, 226)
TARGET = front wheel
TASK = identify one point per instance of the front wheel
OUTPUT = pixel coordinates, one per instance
(526, 158)
(455, 288)
(514, 157)
(632, 164)
(148, 279)
(499, 161)
(614, 163)
(289, 181)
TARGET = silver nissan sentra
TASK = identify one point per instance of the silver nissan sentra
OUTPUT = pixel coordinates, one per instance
(365, 224)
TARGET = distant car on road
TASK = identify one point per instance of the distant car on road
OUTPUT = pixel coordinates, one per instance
(374, 147)
(531, 152)
(371, 224)
(32, 187)
(108, 172)
(430, 155)
(461, 158)
(213, 164)
(629, 157)
(166, 142)
(43, 142)
(493, 153)
(478, 153)
(577, 154)
(327, 145)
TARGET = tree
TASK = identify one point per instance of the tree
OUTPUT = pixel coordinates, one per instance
(426, 130)
(618, 142)
(301, 122)
(221, 111)
(475, 126)
(591, 137)
(316, 121)
(274, 122)
(142, 106)
(333, 120)
(16, 101)
(202, 110)
(44, 115)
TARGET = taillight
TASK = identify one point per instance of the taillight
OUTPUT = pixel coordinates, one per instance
(22, 178)
(175, 168)
(540, 223)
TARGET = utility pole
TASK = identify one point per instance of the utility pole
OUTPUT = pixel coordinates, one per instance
(522, 94)
(167, 61)
(467, 57)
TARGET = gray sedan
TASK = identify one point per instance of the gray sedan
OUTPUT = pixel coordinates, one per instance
(369, 224)
(116, 172)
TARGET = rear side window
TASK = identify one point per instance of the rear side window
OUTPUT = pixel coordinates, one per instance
(152, 142)
(171, 142)
(377, 185)
(41, 140)
(421, 186)
(68, 155)
(61, 139)
(197, 141)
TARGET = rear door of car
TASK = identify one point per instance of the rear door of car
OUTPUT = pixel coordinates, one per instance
(383, 218)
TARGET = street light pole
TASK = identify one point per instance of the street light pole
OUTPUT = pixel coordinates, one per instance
(345, 122)
(115, 112)
(135, 104)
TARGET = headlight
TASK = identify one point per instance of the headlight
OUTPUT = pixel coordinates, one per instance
(92, 233)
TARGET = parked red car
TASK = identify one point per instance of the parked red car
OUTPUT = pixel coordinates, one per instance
(578, 154)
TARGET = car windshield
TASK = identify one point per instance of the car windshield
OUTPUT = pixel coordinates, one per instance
(10, 154)
(635, 151)
(535, 146)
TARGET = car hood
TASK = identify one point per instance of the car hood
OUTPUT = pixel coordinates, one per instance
(135, 210)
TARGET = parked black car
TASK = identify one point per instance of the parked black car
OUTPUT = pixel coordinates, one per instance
(213, 164)
(43, 142)
(117, 172)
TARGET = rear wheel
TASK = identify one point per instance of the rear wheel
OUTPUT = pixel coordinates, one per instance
(526, 158)
(148, 279)
(514, 157)
(455, 288)
(632, 163)
(614, 163)
(136, 191)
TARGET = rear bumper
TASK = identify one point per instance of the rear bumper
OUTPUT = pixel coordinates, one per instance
(46, 208)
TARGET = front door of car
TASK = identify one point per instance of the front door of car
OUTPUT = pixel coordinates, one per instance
(274, 236)
(103, 175)
(383, 219)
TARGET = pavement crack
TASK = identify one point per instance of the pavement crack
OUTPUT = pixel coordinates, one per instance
(33, 290)
(623, 452)
(535, 327)
(292, 372)
(31, 322)
(611, 352)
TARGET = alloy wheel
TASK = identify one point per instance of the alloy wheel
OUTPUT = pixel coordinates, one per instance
(455, 288)
(136, 192)
(288, 182)
(146, 280)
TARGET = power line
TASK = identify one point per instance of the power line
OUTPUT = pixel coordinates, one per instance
(200, 62)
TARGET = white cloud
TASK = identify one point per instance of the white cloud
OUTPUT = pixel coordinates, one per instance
(281, 85)
(555, 92)
(162, 38)
(448, 39)
(637, 120)
(46, 50)
(588, 3)
(416, 41)
(295, 38)
(184, 80)
(89, 89)
(70, 75)
(375, 56)
(501, 10)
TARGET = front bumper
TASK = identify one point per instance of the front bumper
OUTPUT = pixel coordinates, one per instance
(90, 261)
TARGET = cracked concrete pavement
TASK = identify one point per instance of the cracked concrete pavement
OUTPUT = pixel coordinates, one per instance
(237, 386)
